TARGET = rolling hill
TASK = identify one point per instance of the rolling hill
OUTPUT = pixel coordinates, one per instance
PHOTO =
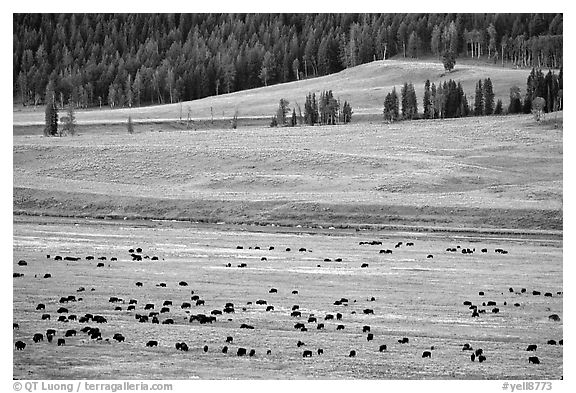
(364, 86)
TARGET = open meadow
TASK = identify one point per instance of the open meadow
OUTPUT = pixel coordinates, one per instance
(493, 183)
(410, 295)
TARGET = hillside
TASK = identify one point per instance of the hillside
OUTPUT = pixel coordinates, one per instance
(500, 172)
(364, 86)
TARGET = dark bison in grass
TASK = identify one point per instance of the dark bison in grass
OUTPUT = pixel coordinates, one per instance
(20, 345)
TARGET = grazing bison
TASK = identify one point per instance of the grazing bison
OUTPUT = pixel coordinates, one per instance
(320, 326)
(164, 309)
(481, 293)
(299, 325)
(365, 329)
(383, 348)
(61, 341)
(261, 302)
(100, 264)
(252, 352)
(532, 347)
(62, 318)
(155, 320)
(183, 283)
(475, 313)
(427, 354)
(99, 319)
(467, 303)
(561, 342)
(118, 337)
(38, 337)
(495, 310)
(152, 343)
(229, 339)
(131, 307)
(368, 311)
(296, 314)
(370, 337)
(17, 275)
(307, 354)
(149, 306)
(45, 316)
(554, 317)
(338, 316)
(20, 345)
(404, 340)
(225, 349)
(364, 265)
(15, 326)
(200, 302)
(551, 342)
(241, 352)
(205, 349)
(300, 343)
(467, 347)
(41, 306)
(536, 293)
(533, 360)
(548, 294)
(429, 256)
(70, 333)
(139, 284)
(479, 352)
(62, 310)
(273, 290)
(47, 275)
(352, 354)
(218, 312)
(340, 327)
(491, 303)
(22, 263)
(168, 321)
(473, 357)
(246, 326)
(481, 358)
(270, 308)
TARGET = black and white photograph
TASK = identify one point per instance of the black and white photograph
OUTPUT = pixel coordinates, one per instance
(287, 196)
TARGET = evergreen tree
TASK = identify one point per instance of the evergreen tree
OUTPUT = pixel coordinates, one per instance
(427, 102)
(346, 112)
(294, 119)
(70, 120)
(391, 106)
(488, 97)
(498, 109)
(479, 100)
(51, 113)
(404, 100)
(283, 109)
(130, 125)
(449, 60)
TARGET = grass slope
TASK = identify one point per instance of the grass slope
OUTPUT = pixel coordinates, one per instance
(493, 172)
(365, 86)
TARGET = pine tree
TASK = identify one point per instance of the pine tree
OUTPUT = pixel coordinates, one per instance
(294, 119)
(488, 97)
(426, 102)
(449, 60)
(479, 100)
(51, 114)
(498, 109)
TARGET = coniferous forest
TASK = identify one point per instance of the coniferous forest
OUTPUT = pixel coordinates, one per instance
(121, 60)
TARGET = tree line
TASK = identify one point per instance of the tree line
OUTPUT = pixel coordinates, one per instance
(124, 60)
(448, 100)
(327, 110)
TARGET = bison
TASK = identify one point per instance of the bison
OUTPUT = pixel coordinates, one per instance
(20, 345)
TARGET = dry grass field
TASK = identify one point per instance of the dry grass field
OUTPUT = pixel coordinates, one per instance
(495, 172)
(414, 296)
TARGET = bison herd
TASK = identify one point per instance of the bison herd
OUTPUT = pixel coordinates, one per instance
(332, 322)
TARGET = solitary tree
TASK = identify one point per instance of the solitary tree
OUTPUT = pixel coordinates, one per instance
(282, 111)
(130, 125)
(51, 114)
(449, 60)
